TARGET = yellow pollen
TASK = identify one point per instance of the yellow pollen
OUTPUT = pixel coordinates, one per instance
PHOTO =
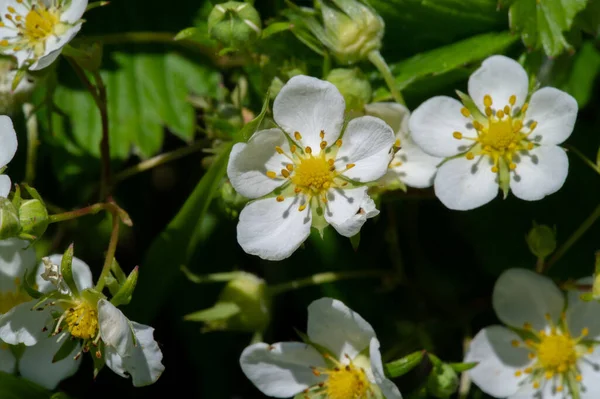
(525, 107)
(279, 150)
(470, 156)
(556, 353)
(297, 136)
(578, 378)
(512, 100)
(487, 100)
(457, 135)
(323, 145)
(285, 173)
(313, 174)
(500, 114)
(465, 112)
(499, 135)
(280, 198)
(350, 166)
(322, 134)
(338, 143)
(40, 23)
(536, 385)
(289, 167)
(515, 343)
(308, 150)
(518, 373)
(293, 149)
(82, 321)
(559, 388)
(533, 126)
(302, 207)
(271, 174)
(507, 110)
(349, 382)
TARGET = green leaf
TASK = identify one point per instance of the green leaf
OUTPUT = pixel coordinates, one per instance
(462, 367)
(161, 266)
(221, 311)
(585, 70)
(275, 28)
(65, 349)
(542, 23)
(448, 58)
(402, 366)
(146, 93)
(12, 387)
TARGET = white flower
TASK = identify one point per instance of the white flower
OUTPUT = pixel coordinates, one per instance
(35, 31)
(548, 349)
(35, 362)
(351, 367)
(128, 348)
(8, 149)
(410, 165)
(502, 141)
(305, 171)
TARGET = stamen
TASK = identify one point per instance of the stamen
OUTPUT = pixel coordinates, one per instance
(271, 174)
(297, 136)
(487, 100)
(323, 145)
(512, 100)
(465, 112)
(457, 135)
(322, 134)
(285, 173)
(338, 143)
(279, 150)
(280, 198)
(308, 150)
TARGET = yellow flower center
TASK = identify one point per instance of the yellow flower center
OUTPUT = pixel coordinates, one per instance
(343, 382)
(82, 321)
(502, 135)
(311, 175)
(40, 23)
(555, 355)
(9, 300)
(348, 382)
(34, 28)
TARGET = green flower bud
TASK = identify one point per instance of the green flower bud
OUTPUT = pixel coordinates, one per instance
(442, 382)
(9, 219)
(352, 28)
(355, 88)
(243, 305)
(234, 23)
(231, 201)
(34, 217)
(541, 240)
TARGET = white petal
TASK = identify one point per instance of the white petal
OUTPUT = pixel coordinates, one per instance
(16, 257)
(115, 328)
(8, 362)
(394, 114)
(21, 325)
(590, 373)
(343, 205)
(498, 361)
(352, 225)
(273, 230)
(366, 143)
(499, 77)
(463, 184)
(540, 172)
(36, 363)
(417, 168)
(74, 12)
(338, 328)
(145, 363)
(522, 296)
(433, 123)
(8, 140)
(54, 46)
(5, 185)
(388, 388)
(582, 314)
(308, 105)
(281, 370)
(555, 113)
(249, 163)
(81, 274)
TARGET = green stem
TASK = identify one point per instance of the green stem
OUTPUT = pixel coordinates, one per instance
(379, 62)
(110, 253)
(90, 210)
(324, 278)
(157, 161)
(587, 223)
(585, 159)
(32, 142)
(210, 278)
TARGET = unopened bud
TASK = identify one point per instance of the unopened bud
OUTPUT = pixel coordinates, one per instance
(541, 240)
(353, 85)
(353, 30)
(442, 382)
(34, 217)
(10, 226)
(235, 24)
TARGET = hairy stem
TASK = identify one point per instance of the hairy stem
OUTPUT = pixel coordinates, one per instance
(379, 62)
(324, 278)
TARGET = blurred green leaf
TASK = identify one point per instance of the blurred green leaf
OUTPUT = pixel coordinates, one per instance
(542, 23)
(402, 366)
(221, 310)
(450, 57)
(146, 93)
(12, 387)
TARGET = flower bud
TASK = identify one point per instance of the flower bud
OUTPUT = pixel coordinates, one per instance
(243, 305)
(355, 88)
(353, 29)
(541, 240)
(442, 382)
(34, 217)
(9, 219)
(235, 24)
